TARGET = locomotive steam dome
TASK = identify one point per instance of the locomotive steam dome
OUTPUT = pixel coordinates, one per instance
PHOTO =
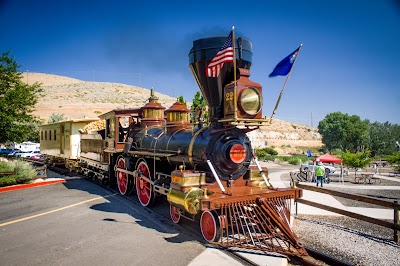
(201, 54)
(153, 112)
(178, 117)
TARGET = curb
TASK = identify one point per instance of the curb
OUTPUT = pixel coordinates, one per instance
(24, 186)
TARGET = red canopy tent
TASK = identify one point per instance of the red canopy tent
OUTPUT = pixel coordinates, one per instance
(329, 158)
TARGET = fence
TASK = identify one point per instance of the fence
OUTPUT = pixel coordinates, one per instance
(391, 205)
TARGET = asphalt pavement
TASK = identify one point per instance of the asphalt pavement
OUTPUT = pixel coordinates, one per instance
(21, 239)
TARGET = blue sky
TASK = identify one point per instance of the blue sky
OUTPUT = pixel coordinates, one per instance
(349, 61)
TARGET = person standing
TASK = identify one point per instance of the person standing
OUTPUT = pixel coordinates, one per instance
(375, 168)
(319, 173)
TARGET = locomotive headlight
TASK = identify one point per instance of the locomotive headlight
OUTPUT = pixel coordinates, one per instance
(250, 101)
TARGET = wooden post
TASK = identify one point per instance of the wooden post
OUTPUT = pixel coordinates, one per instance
(292, 181)
(396, 221)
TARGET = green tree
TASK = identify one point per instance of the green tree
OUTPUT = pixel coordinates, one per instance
(383, 137)
(17, 102)
(182, 100)
(356, 160)
(34, 131)
(199, 107)
(341, 131)
(394, 159)
(55, 118)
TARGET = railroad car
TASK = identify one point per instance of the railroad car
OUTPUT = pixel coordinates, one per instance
(206, 171)
(60, 141)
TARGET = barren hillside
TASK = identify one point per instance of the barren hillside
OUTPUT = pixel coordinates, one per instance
(78, 99)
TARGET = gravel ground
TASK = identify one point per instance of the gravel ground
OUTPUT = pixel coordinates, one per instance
(351, 240)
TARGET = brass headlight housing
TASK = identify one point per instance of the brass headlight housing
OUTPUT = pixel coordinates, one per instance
(250, 101)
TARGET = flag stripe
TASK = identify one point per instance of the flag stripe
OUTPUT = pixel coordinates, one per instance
(225, 54)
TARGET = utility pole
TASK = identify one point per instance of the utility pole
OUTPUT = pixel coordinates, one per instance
(311, 120)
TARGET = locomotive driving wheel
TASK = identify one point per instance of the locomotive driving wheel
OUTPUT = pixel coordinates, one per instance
(210, 226)
(175, 213)
(122, 178)
(144, 189)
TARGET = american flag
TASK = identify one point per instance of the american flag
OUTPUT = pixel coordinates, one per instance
(225, 54)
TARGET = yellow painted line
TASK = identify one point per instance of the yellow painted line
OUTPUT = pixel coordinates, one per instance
(56, 210)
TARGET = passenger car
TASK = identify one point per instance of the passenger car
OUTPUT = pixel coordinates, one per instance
(328, 168)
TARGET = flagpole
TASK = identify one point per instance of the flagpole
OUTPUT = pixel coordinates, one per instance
(284, 85)
(234, 72)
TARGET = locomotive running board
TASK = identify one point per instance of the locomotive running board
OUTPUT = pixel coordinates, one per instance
(259, 224)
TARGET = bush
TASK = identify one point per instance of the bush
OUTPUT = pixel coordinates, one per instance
(271, 151)
(24, 173)
(7, 181)
(263, 153)
(6, 167)
(270, 157)
(292, 159)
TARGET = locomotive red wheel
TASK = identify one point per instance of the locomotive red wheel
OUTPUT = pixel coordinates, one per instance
(144, 189)
(210, 226)
(122, 178)
(175, 213)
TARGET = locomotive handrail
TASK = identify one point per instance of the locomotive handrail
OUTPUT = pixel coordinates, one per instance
(149, 153)
(262, 172)
(216, 176)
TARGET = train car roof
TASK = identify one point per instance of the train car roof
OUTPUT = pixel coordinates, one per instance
(74, 121)
(120, 112)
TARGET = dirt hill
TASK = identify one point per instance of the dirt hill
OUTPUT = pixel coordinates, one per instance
(79, 99)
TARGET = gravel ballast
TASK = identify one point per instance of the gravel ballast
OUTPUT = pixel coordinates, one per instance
(352, 240)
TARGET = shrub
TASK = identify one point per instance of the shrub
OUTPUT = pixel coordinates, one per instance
(264, 152)
(7, 181)
(291, 159)
(270, 151)
(6, 167)
(294, 160)
(261, 154)
(270, 157)
(24, 173)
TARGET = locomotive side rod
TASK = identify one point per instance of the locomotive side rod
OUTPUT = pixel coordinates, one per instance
(159, 189)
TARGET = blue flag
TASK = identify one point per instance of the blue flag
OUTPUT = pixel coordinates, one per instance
(284, 66)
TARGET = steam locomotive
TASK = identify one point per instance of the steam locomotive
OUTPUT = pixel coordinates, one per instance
(207, 171)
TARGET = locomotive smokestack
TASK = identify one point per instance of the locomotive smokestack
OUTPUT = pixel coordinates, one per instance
(202, 52)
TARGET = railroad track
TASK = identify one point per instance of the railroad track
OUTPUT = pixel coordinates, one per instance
(319, 258)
